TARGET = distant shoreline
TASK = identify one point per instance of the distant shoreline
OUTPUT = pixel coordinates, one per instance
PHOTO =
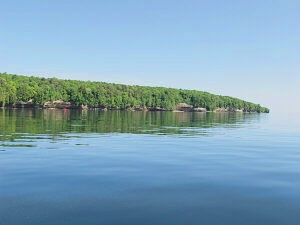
(68, 106)
(18, 91)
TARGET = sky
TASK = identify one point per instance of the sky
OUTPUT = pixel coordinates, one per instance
(246, 49)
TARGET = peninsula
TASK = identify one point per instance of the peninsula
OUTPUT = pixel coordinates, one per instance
(23, 91)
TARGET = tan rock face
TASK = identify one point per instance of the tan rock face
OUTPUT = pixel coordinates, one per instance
(84, 107)
(221, 110)
(48, 105)
(184, 107)
(21, 104)
(198, 109)
(59, 105)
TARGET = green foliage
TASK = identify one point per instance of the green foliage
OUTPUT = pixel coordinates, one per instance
(15, 88)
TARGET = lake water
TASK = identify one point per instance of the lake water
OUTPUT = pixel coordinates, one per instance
(146, 168)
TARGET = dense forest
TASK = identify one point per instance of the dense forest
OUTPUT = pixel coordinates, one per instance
(16, 88)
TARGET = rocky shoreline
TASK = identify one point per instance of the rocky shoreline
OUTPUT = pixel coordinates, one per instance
(180, 107)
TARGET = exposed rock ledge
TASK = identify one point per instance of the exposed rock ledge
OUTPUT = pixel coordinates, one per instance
(59, 104)
(188, 108)
(228, 110)
(21, 104)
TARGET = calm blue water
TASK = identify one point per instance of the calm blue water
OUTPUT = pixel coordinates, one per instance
(148, 168)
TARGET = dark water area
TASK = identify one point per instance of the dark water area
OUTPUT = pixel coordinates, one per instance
(93, 167)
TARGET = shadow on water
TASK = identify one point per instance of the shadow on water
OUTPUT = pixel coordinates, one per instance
(35, 124)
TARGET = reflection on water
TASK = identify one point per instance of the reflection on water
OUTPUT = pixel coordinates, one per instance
(32, 124)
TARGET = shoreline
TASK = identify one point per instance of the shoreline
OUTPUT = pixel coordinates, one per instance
(179, 107)
(146, 109)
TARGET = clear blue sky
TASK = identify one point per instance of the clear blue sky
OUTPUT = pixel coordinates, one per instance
(246, 49)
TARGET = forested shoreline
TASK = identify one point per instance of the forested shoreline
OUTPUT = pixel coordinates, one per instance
(18, 89)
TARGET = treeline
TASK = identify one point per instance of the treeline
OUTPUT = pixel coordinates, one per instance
(14, 88)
